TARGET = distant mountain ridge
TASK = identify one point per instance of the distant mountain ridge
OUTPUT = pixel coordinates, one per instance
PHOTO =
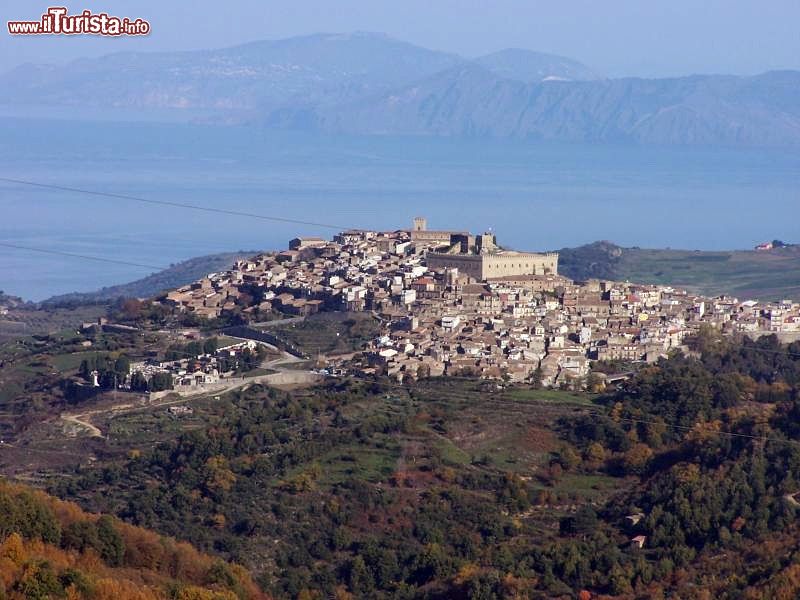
(530, 67)
(313, 70)
(472, 101)
(366, 83)
(256, 77)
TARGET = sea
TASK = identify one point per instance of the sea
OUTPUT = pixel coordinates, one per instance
(532, 195)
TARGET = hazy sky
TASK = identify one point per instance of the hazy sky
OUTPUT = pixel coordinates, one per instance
(617, 37)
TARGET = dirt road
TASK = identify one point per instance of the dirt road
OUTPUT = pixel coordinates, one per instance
(79, 424)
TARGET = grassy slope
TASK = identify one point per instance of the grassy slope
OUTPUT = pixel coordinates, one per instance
(175, 276)
(747, 274)
(331, 333)
(455, 430)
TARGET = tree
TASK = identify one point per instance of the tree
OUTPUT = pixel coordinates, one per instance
(218, 476)
(80, 535)
(122, 366)
(595, 383)
(636, 459)
(39, 582)
(595, 453)
(568, 458)
(25, 514)
(211, 345)
(536, 378)
(360, 579)
(160, 382)
(138, 382)
(109, 542)
(584, 521)
(131, 309)
(620, 581)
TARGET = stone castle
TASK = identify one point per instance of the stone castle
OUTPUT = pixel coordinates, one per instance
(479, 256)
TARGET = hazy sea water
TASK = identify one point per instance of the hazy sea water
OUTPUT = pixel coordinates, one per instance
(535, 196)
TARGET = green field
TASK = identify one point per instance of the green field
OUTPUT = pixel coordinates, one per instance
(331, 333)
(770, 275)
(544, 395)
(69, 362)
(368, 463)
(223, 341)
(746, 274)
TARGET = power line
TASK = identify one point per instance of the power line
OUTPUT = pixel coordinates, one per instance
(185, 205)
(190, 207)
(82, 256)
(493, 401)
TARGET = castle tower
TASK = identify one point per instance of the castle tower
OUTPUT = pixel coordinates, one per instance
(486, 242)
(420, 224)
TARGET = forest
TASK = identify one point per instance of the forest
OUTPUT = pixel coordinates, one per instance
(680, 482)
(53, 549)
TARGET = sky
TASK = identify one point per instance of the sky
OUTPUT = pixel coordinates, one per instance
(647, 38)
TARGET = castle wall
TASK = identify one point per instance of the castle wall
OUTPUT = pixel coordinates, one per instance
(485, 266)
(442, 237)
(523, 263)
(470, 265)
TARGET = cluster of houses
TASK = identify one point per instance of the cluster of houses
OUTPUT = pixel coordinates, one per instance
(550, 328)
(9, 303)
(518, 319)
(187, 372)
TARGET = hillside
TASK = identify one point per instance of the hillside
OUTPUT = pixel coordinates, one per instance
(765, 275)
(175, 276)
(265, 77)
(260, 76)
(8, 301)
(53, 549)
(367, 83)
(681, 479)
(469, 100)
(449, 487)
(528, 66)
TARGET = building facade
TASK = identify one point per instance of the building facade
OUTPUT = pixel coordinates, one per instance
(496, 264)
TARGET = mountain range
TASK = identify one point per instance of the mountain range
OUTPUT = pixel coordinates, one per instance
(366, 83)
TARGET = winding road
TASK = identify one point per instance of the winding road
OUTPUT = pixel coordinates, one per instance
(79, 423)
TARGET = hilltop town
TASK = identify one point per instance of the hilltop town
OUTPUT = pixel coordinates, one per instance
(454, 303)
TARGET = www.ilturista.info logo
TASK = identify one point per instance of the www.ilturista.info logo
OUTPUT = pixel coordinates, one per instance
(56, 21)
